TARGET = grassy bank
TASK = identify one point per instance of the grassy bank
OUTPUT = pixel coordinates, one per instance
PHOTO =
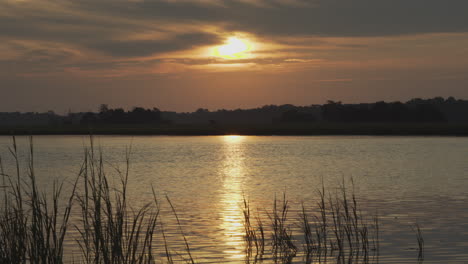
(425, 129)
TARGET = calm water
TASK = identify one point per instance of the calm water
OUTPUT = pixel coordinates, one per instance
(407, 179)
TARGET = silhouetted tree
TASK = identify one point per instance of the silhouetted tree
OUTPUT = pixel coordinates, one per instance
(138, 115)
(103, 108)
(296, 116)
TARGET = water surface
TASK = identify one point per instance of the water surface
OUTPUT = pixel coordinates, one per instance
(407, 180)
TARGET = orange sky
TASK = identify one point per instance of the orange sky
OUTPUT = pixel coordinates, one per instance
(184, 54)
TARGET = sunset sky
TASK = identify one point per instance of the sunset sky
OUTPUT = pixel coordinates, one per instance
(184, 54)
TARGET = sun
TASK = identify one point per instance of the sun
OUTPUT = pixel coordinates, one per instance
(235, 48)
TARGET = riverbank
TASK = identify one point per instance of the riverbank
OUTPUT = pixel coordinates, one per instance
(405, 129)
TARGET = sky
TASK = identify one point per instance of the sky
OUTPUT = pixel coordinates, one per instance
(180, 55)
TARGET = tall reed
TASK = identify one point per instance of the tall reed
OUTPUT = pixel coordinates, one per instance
(32, 225)
(420, 240)
(337, 229)
(110, 230)
(282, 239)
(254, 235)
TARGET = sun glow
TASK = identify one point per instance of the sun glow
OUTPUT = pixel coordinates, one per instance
(235, 48)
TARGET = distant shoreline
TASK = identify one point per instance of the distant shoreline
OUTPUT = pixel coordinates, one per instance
(311, 129)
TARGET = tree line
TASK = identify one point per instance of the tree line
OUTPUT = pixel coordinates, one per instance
(106, 115)
(434, 110)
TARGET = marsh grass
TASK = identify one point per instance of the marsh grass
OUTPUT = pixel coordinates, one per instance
(336, 229)
(34, 225)
(283, 246)
(111, 231)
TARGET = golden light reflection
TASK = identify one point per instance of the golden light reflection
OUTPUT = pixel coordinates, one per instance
(233, 138)
(234, 48)
(233, 175)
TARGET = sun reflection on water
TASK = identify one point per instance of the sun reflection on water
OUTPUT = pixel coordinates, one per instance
(233, 138)
(233, 175)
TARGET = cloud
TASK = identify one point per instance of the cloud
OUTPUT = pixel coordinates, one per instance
(265, 17)
(321, 18)
(136, 48)
(66, 33)
(259, 61)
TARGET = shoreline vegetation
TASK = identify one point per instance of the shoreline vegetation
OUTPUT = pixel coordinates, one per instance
(436, 116)
(34, 225)
(310, 129)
